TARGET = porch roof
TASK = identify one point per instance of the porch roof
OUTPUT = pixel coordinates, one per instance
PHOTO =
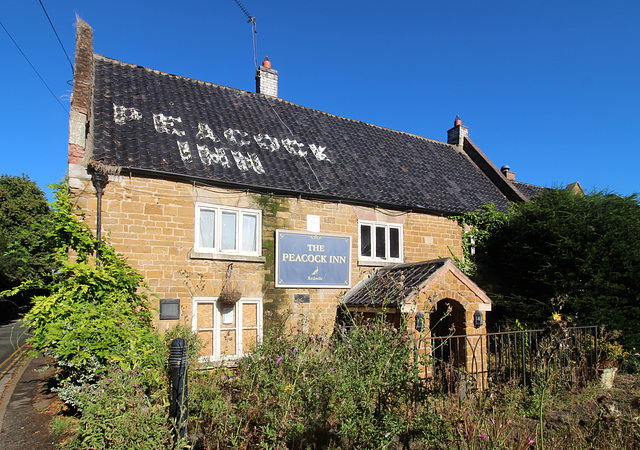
(389, 286)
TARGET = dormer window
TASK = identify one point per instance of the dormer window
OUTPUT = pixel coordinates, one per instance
(380, 242)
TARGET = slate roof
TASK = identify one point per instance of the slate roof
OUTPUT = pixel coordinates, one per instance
(171, 126)
(388, 286)
(529, 190)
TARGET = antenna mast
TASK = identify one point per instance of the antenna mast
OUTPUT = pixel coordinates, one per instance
(252, 21)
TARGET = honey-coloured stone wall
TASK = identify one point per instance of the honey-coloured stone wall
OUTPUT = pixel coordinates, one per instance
(151, 222)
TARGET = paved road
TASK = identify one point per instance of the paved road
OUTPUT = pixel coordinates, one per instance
(13, 351)
(25, 400)
(13, 356)
(12, 336)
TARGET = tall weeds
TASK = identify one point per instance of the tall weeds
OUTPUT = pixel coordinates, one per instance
(362, 388)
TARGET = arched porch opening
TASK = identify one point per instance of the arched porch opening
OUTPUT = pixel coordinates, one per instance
(448, 346)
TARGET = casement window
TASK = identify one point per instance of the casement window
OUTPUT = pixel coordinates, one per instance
(221, 229)
(380, 242)
(228, 331)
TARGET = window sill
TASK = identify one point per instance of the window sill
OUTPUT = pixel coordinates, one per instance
(208, 362)
(369, 263)
(225, 257)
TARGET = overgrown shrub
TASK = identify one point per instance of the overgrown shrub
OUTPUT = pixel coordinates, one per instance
(94, 316)
(120, 412)
(96, 312)
(356, 389)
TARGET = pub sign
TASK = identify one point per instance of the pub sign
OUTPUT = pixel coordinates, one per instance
(312, 260)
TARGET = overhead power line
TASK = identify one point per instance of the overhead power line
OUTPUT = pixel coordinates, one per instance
(59, 41)
(34, 69)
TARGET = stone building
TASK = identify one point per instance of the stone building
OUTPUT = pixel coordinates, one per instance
(236, 204)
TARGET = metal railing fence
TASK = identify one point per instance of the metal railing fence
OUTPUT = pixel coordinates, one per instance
(454, 363)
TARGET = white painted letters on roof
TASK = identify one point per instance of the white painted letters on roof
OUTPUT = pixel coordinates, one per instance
(233, 135)
(266, 142)
(318, 152)
(294, 147)
(250, 161)
(204, 132)
(121, 114)
(217, 156)
(167, 124)
(230, 138)
(185, 152)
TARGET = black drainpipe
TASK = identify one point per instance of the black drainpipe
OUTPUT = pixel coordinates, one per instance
(99, 180)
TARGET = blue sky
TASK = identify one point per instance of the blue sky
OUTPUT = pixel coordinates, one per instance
(549, 88)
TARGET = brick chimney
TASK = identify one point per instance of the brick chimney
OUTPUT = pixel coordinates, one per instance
(508, 174)
(456, 135)
(267, 79)
(81, 99)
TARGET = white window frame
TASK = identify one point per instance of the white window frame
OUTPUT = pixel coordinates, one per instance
(387, 226)
(218, 307)
(217, 239)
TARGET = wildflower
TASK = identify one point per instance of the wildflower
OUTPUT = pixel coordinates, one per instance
(492, 421)
(288, 388)
(556, 317)
(482, 436)
(332, 370)
(279, 360)
(294, 351)
(530, 441)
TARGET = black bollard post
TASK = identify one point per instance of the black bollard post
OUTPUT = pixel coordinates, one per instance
(179, 401)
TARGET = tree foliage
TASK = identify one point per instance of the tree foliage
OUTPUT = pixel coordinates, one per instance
(24, 255)
(96, 312)
(477, 227)
(576, 253)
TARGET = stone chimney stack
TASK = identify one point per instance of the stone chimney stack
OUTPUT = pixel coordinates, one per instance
(508, 174)
(456, 135)
(81, 99)
(267, 79)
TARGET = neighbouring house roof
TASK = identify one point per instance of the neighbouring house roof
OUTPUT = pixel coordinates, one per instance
(172, 126)
(529, 190)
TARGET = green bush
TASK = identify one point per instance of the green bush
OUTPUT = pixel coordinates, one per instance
(357, 389)
(96, 312)
(120, 413)
(375, 384)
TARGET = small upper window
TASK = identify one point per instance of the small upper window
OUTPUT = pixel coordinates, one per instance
(221, 229)
(380, 241)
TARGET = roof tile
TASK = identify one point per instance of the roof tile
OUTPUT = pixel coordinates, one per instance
(271, 144)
